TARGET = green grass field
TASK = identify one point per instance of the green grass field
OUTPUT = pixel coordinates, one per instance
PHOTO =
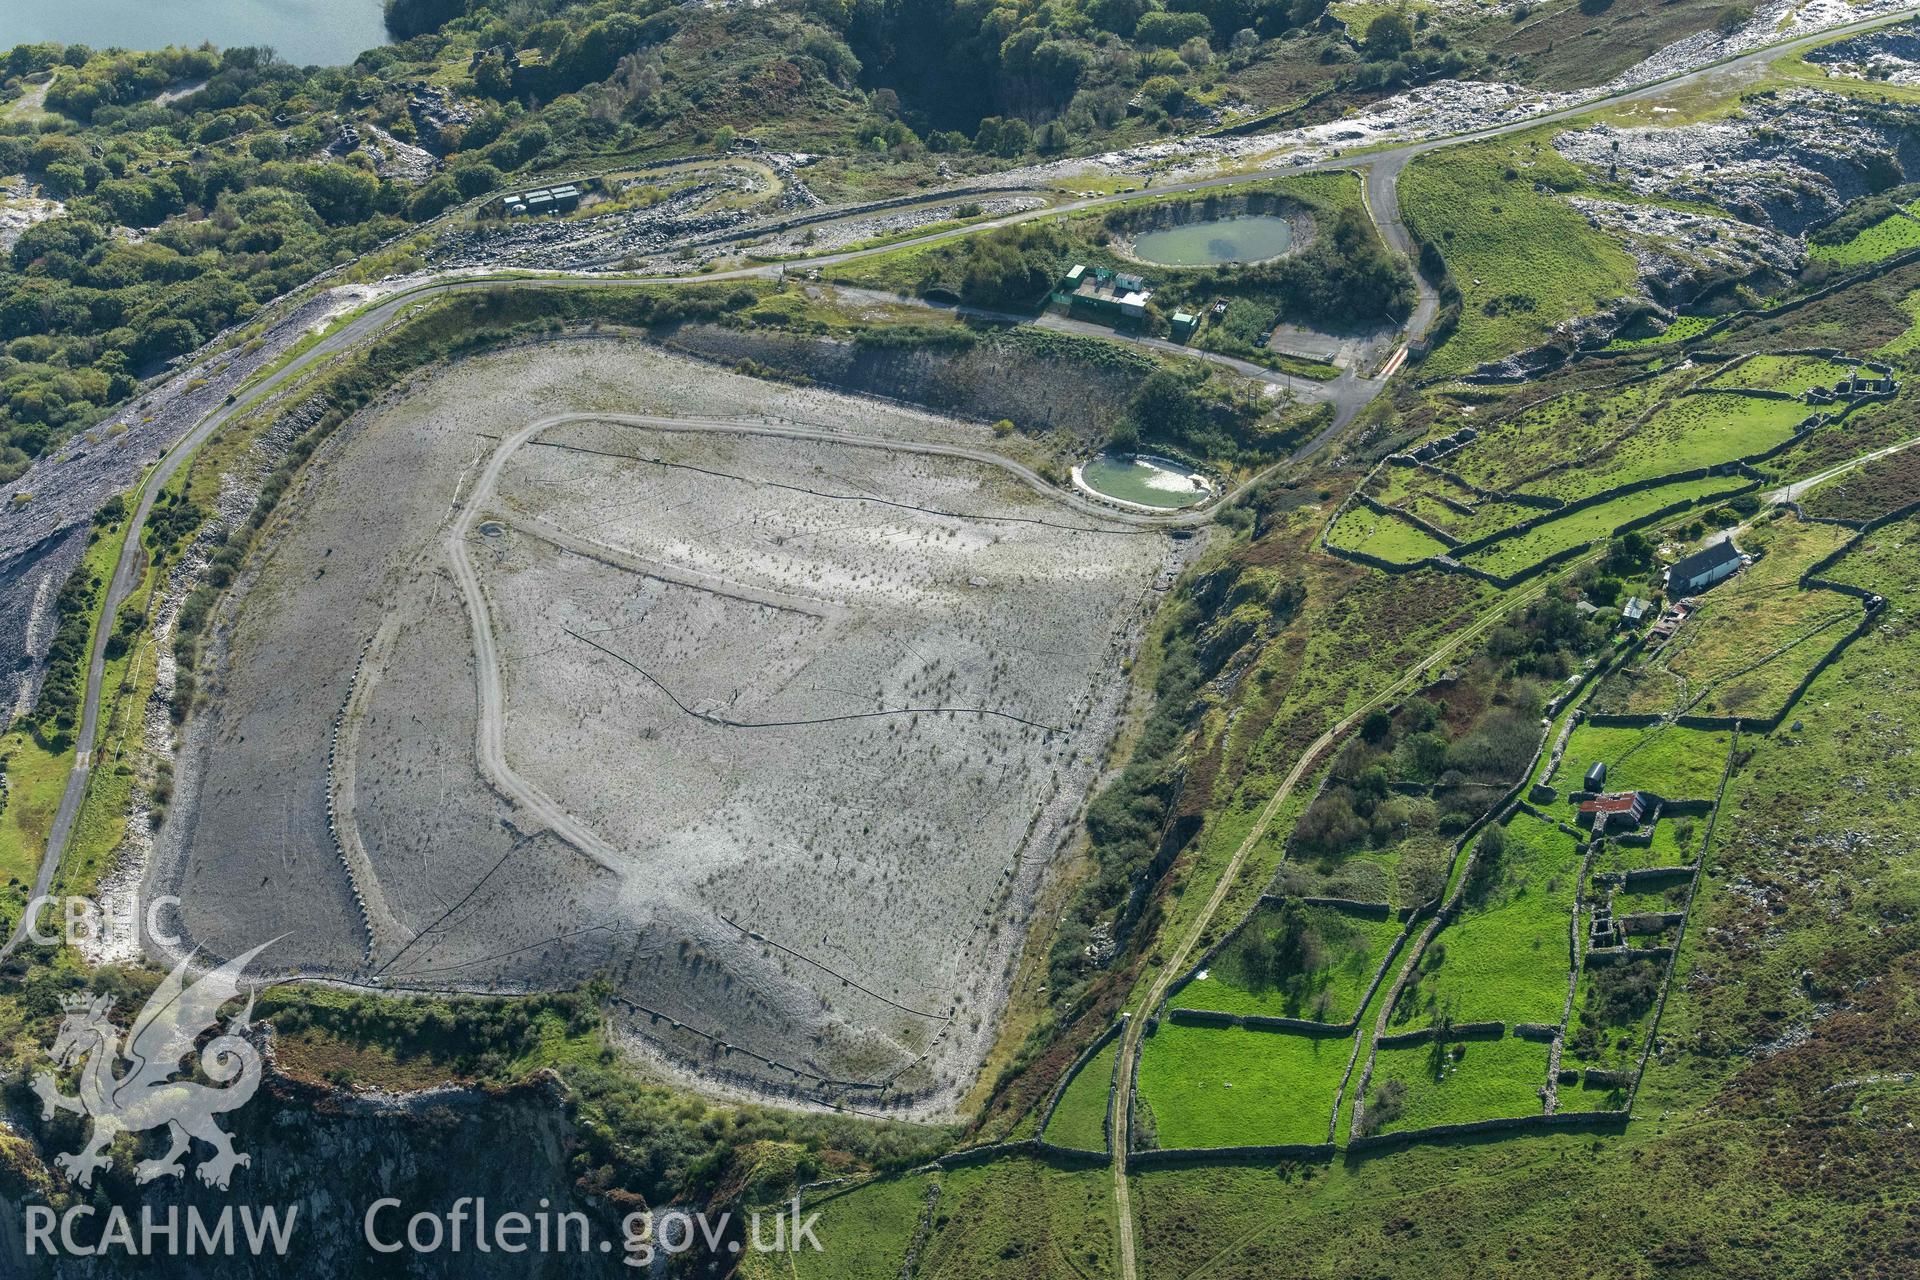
(36, 777)
(1591, 524)
(1060, 1220)
(1753, 641)
(1366, 530)
(1682, 764)
(1081, 1118)
(1704, 430)
(864, 1233)
(1682, 328)
(1666, 897)
(1230, 1087)
(1358, 15)
(1560, 433)
(1582, 442)
(1585, 1097)
(1788, 373)
(1906, 342)
(1668, 848)
(1886, 563)
(1525, 260)
(1504, 958)
(1676, 841)
(1575, 445)
(1057, 1222)
(1895, 233)
(1493, 1079)
(1421, 493)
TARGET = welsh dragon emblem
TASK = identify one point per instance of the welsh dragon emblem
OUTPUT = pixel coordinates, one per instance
(148, 1096)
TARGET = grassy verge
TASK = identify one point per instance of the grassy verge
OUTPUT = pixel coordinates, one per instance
(37, 772)
(1080, 1119)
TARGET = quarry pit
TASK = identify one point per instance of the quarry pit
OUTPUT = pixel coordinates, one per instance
(770, 706)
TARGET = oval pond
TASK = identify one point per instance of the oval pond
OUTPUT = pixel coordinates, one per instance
(1250, 237)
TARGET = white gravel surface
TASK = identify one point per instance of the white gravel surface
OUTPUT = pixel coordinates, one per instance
(887, 863)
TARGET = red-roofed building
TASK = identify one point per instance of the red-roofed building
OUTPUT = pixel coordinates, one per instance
(1626, 808)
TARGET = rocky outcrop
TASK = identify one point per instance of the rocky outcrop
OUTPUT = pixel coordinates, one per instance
(438, 117)
(328, 1155)
(986, 380)
(1786, 163)
(1890, 56)
(1676, 249)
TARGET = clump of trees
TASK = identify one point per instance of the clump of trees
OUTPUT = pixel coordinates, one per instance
(1389, 1100)
(1141, 820)
(1011, 268)
(1189, 407)
(409, 18)
(1070, 69)
(56, 711)
(1620, 994)
(1129, 821)
(1490, 854)
(1461, 745)
(1281, 952)
(1546, 640)
(1346, 276)
(1398, 50)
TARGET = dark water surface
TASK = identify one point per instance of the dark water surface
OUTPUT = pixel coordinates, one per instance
(327, 32)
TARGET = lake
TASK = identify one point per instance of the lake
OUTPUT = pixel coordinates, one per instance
(324, 32)
(1144, 480)
(1251, 237)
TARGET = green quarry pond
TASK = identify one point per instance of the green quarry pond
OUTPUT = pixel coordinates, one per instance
(1249, 237)
(1144, 479)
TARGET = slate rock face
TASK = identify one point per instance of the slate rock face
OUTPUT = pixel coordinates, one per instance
(1891, 55)
(330, 1155)
(1675, 248)
(436, 114)
(1787, 163)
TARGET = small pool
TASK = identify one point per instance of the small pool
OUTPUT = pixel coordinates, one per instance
(1250, 237)
(1144, 480)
